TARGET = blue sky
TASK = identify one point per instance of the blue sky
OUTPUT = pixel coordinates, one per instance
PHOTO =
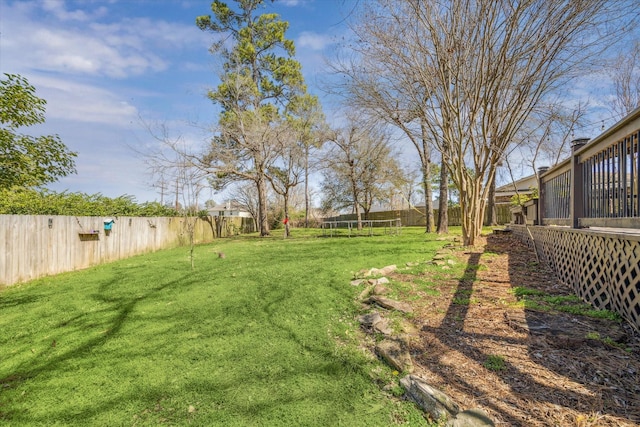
(106, 66)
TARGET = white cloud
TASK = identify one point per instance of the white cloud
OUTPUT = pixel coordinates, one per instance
(79, 102)
(313, 41)
(291, 3)
(58, 9)
(130, 47)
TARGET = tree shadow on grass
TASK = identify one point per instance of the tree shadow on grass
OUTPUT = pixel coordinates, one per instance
(311, 384)
(43, 363)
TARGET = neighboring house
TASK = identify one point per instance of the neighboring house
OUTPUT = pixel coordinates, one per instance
(230, 210)
(524, 186)
(527, 214)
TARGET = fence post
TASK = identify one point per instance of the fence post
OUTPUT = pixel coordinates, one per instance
(541, 193)
(577, 184)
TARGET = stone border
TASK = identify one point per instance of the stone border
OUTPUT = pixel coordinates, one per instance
(394, 348)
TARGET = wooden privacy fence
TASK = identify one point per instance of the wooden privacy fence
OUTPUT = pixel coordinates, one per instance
(33, 246)
(602, 268)
(417, 216)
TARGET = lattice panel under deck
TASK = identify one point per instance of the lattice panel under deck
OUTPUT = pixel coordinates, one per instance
(602, 269)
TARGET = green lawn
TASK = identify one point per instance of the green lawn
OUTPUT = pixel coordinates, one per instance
(265, 336)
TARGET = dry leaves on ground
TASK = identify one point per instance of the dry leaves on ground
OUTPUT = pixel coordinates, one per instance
(524, 367)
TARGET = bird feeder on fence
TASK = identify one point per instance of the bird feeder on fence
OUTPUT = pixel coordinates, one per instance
(108, 225)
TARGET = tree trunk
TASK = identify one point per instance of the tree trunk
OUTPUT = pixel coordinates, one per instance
(443, 203)
(286, 215)
(263, 221)
(472, 205)
(356, 200)
(426, 179)
(493, 219)
(306, 187)
(428, 204)
(358, 216)
(356, 207)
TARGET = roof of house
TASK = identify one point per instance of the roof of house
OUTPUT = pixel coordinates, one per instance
(522, 185)
(227, 207)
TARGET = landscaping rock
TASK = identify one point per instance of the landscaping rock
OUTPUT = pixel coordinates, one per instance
(394, 352)
(376, 322)
(380, 281)
(357, 282)
(365, 293)
(471, 418)
(431, 400)
(438, 257)
(391, 304)
(412, 264)
(383, 271)
(380, 290)
(409, 328)
(370, 319)
(383, 327)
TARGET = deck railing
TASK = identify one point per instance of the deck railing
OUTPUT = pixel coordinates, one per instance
(599, 185)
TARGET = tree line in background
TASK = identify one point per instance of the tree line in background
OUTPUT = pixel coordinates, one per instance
(470, 84)
(472, 80)
(33, 201)
(271, 134)
(470, 87)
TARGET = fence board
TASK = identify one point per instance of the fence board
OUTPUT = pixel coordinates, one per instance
(417, 217)
(29, 248)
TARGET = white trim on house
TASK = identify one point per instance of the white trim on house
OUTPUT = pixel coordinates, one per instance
(230, 210)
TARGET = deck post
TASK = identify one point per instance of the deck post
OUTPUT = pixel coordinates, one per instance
(576, 205)
(541, 193)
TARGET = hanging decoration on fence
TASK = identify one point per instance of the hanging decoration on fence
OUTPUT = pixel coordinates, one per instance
(108, 225)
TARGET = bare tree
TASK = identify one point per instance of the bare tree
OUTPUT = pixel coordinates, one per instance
(310, 130)
(408, 188)
(190, 181)
(174, 169)
(372, 86)
(545, 139)
(480, 67)
(626, 81)
(358, 167)
(246, 197)
(285, 175)
(307, 132)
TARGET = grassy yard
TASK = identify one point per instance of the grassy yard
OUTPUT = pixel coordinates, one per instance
(265, 336)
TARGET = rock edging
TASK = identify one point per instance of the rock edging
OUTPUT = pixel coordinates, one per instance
(394, 350)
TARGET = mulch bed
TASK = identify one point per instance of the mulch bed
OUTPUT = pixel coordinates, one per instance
(559, 369)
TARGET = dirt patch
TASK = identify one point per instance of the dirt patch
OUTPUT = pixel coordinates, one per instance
(525, 367)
